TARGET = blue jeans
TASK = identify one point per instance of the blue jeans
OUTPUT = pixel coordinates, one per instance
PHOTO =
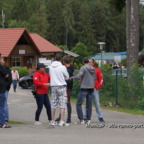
(6, 110)
(14, 84)
(42, 99)
(84, 94)
(95, 97)
(2, 105)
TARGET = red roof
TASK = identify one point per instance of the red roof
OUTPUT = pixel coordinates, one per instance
(10, 36)
(44, 45)
(8, 39)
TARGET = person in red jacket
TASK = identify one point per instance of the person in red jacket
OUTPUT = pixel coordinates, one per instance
(41, 85)
(97, 85)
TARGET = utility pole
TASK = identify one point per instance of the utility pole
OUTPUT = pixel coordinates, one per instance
(3, 20)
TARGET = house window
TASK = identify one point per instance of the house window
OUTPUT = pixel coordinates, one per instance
(16, 62)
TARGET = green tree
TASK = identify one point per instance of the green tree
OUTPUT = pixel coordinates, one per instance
(20, 10)
(38, 21)
(142, 28)
(15, 24)
(82, 50)
(85, 31)
(55, 32)
(68, 19)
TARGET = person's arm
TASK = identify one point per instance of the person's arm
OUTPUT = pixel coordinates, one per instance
(99, 79)
(36, 80)
(47, 84)
(65, 73)
(17, 75)
(4, 72)
(79, 75)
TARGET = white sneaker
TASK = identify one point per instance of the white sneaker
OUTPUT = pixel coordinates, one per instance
(88, 122)
(53, 123)
(62, 123)
(67, 124)
(37, 123)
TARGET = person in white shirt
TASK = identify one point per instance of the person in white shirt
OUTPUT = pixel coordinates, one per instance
(58, 77)
(15, 78)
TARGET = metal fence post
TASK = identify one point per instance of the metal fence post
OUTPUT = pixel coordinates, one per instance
(116, 87)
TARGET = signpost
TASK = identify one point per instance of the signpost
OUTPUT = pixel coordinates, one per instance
(117, 59)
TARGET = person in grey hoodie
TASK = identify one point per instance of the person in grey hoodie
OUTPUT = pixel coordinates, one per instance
(58, 77)
(87, 78)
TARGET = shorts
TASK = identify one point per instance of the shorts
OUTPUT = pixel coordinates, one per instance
(58, 96)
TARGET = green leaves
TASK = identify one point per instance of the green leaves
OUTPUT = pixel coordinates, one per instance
(82, 50)
(67, 22)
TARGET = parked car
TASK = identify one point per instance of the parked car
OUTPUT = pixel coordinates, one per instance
(26, 82)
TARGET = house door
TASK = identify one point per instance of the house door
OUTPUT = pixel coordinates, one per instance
(28, 61)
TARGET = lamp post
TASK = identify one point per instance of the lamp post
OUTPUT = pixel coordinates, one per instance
(101, 48)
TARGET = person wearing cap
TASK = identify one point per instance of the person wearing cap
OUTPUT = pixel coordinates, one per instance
(41, 85)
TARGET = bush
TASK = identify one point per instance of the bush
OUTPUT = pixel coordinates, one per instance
(22, 71)
(76, 88)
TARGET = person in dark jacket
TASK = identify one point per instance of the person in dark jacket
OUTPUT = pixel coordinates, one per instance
(70, 69)
(9, 81)
(41, 85)
(3, 87)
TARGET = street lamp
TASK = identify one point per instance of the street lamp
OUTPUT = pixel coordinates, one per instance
(101, 48)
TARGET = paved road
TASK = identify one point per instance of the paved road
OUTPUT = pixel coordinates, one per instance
(22, 108)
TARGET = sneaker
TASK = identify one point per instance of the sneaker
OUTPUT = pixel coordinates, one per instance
(67, 124)
(62, 123)
(88, 122)
(80, 122)
(101, 120)
(53, 123)
(68, 121)
(5, 126)
(37, 123)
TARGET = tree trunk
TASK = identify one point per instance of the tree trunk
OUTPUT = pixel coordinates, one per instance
(132, 30)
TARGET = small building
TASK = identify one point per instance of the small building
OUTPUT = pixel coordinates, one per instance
(21, 48)
(108, 57)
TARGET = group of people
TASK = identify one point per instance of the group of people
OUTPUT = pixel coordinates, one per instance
(6, 78)
(60, 79)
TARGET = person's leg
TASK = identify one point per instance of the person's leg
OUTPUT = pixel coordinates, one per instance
(89, 104)
(62, 95)
(81, 97)
(16, 84)
(2, 105)
(54, 101)
(62, 111)
(69, 108)
(47, 106)
(6, 110)
(40, 102)
(97, 103)
(13, 82)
